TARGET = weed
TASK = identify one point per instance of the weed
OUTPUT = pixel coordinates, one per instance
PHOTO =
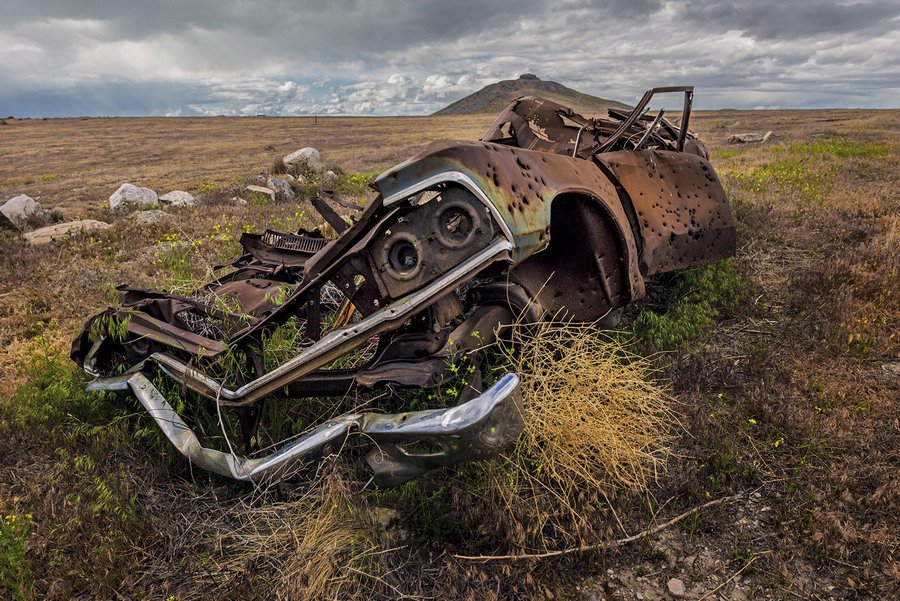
(14, 571)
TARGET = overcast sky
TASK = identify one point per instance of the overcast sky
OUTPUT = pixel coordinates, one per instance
(199, 57)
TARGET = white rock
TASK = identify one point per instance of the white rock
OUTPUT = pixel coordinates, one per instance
(281, 186)
(330, 179)
(178, 198)
(676, 587)
(267, 191)
(132, 198)
(306, 158)
(148, 217)
(769, 135)
(744, 138)
(288, 177)
(19, 208)
(50, 233)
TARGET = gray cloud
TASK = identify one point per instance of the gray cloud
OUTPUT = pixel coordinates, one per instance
(411, 57)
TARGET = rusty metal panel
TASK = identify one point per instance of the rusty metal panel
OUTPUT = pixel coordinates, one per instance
(521, 185)
(681, 210)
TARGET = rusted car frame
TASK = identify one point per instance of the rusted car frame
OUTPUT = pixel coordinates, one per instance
(549, 215)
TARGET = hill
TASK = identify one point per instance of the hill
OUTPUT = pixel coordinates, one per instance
(494, 97)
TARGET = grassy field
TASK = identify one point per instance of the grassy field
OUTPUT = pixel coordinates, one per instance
(780, 371)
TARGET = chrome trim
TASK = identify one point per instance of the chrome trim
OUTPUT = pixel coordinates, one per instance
(477, 429)
(459, 178)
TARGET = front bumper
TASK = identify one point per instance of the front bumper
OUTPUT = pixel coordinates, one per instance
(474, 430)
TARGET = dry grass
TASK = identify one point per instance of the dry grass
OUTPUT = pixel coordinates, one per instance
(594, 419)
(318, 546)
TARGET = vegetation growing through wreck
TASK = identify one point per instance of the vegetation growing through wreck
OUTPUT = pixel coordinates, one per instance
(789, 395)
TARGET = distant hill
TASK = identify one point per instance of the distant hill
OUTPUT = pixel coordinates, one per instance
(494, 97)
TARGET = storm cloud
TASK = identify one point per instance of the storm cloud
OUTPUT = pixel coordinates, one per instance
(195, 57)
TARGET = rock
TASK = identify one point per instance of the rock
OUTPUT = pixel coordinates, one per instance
(385, 516)
(148, 217)
(50, 233)
(132, 198)
(289, 177)
(262, 190)
(307, 158)
(892, 369)
(744, 138)
(238, 200)
(269, 148)
(179, 198)
(676, 587)
(19, 208)
(281, 186)
(769, 136)
(300, 180)
(329, 180)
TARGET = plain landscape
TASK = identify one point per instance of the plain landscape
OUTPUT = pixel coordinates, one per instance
(779, 370)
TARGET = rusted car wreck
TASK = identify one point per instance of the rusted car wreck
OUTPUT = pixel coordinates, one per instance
(550, 214)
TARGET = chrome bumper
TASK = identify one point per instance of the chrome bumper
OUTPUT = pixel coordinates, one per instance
(474, 430)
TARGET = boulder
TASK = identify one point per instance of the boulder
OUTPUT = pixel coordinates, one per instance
(19, 208)
(262, 190)
(281, 186)
(744, 138)
(132, 198)
(307, 159)
(148, 217)
(178, 198)
(50, 233)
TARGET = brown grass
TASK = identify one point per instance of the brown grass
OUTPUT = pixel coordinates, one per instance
(794, 394)
(318, 546)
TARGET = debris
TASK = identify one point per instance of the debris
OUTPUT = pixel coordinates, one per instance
(262, 190)
(676, 587)
(178, 198)
(19, 209)
(132, 198)
(307, 159)
(50, 233)
(458, 242)
(269, 148)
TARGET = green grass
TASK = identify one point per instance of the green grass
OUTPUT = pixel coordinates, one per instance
(695, 299)
(804, 172)
(839, 147)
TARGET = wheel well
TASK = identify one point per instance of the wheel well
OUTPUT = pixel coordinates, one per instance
(582, 273)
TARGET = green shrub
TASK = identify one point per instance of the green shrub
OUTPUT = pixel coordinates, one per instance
(696, 299)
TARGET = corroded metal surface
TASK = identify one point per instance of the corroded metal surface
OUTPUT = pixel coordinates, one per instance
(550, 215)
(681, 208)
